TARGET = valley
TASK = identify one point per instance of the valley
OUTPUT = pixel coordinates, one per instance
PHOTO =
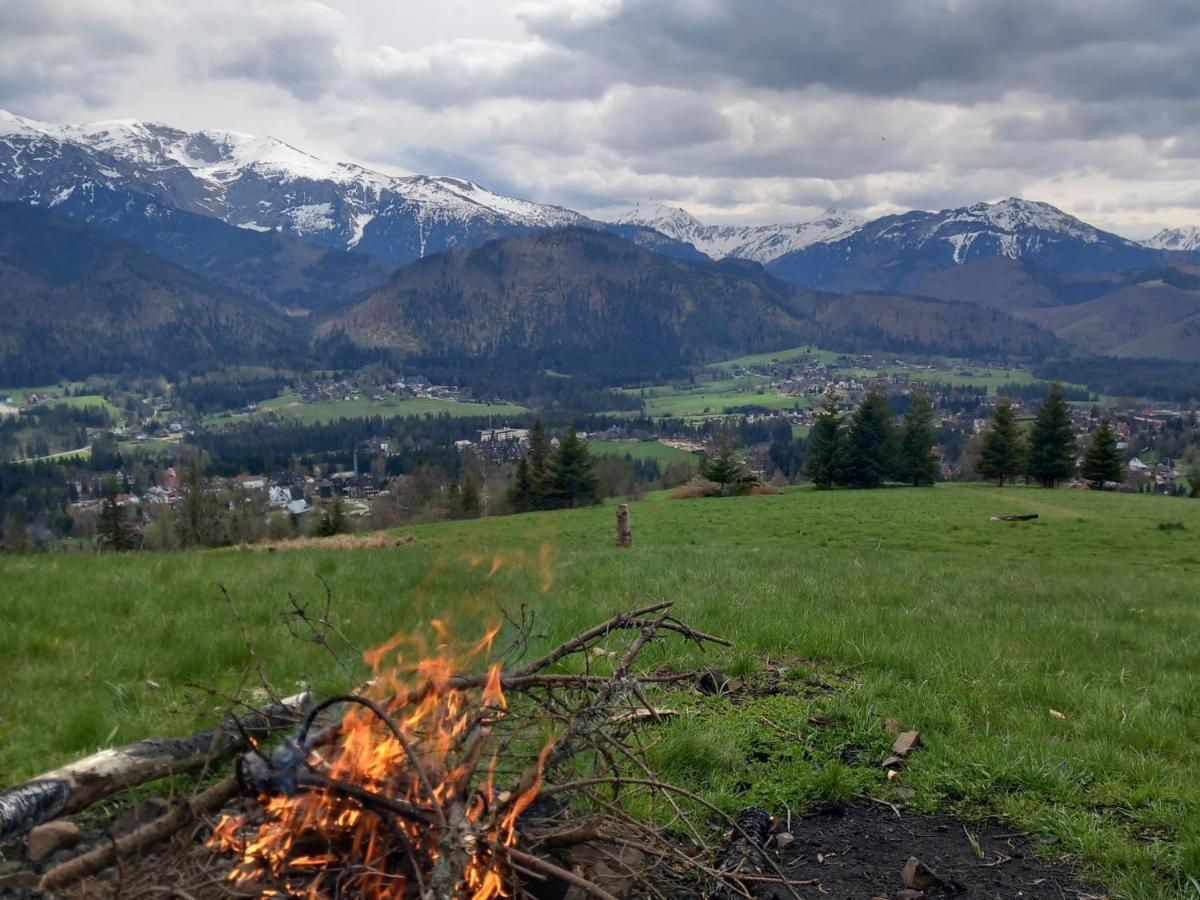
(247, 383)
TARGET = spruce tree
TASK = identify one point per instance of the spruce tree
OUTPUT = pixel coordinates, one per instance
(520, 495)
(870, 449)
(114, 531)
(724, 469)
(469, 502)
(823, 444)
(1102, 462)
(915, 461)
(570, 479)
(1003, 453)
(538, 457)
(1052, 440)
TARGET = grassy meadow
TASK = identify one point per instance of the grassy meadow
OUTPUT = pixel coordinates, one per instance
(289, 404)
(910, 603)
(664, 454)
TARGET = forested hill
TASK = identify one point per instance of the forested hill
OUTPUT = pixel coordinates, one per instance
(75, 301)
(575, 300)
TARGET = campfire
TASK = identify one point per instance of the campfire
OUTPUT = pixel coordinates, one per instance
(453, 776)
(447, 774)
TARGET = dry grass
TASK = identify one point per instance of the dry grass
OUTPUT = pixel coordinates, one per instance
(366, 541)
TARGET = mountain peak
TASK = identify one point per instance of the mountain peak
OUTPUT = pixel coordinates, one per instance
(1186, 239)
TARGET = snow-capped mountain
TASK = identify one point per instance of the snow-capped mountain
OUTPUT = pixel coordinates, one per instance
(1186, 239)
(896, 252)
(761, 243)
(261, 184)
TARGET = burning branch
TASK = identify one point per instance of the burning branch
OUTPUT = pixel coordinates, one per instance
(407, 796)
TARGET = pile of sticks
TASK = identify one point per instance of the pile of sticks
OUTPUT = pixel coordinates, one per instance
(553, 792)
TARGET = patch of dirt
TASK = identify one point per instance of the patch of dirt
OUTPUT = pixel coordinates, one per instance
(856, 851)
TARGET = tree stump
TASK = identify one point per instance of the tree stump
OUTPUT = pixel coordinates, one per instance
(624, 533)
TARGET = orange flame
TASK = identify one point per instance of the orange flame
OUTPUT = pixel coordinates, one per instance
(321, 843)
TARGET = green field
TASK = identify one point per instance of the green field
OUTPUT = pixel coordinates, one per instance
(290, 404)
(970, 630)
(642, 450)
(711, 398)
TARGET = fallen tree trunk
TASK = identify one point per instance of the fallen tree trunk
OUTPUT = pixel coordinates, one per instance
(745, 855)
(160, 829)
(79, 784)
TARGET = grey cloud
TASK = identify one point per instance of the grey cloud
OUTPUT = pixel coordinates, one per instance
(869, 47)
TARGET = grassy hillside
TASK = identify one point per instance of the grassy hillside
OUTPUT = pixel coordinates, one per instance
(968, 629)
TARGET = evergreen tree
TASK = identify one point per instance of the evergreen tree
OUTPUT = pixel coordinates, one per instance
(870, 447)
(538, 457)
(1102, 462)
(724, 469)
(520, 489)
(824, 441)
(1192, 467)
(570, 479)
(915, 461)
(1003, 453)
(469, 502)
(113, 529)
(1052, 440)
(333, 519)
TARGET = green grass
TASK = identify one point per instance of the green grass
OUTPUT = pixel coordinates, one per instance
(967, 629)
(707, 398)
(290, 404)
(642, 450)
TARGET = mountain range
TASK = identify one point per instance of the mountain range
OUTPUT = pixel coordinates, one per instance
(295, 242)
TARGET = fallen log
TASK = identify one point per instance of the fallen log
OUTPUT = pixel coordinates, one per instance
(100, 858)
(1024, 517)
(77, 785)
(745, 856)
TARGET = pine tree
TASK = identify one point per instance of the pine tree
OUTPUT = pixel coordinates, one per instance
(520, 493)
(870, 450)
(538, 457)
(570, 480)
(113, 529)
(1052, 440)
(915, 462)
(824, 441)
(1003, 453)
(724, 469)
(1102, 462)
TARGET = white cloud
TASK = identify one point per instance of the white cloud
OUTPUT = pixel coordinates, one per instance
(756, 112)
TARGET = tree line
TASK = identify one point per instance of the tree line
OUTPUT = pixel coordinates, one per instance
(867, 448)
(1047, 454)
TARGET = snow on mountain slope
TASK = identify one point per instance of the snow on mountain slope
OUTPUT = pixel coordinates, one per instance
(898, 252)
(1186, 239)
(761, 243)
(261, 184)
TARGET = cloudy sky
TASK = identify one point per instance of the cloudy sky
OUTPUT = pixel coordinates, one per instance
(739, 110)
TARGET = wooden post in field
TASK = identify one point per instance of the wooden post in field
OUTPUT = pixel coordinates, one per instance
(624, 534)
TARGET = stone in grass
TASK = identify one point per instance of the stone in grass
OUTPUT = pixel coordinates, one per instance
(50, 837)
(905, 742)
(918, 876)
